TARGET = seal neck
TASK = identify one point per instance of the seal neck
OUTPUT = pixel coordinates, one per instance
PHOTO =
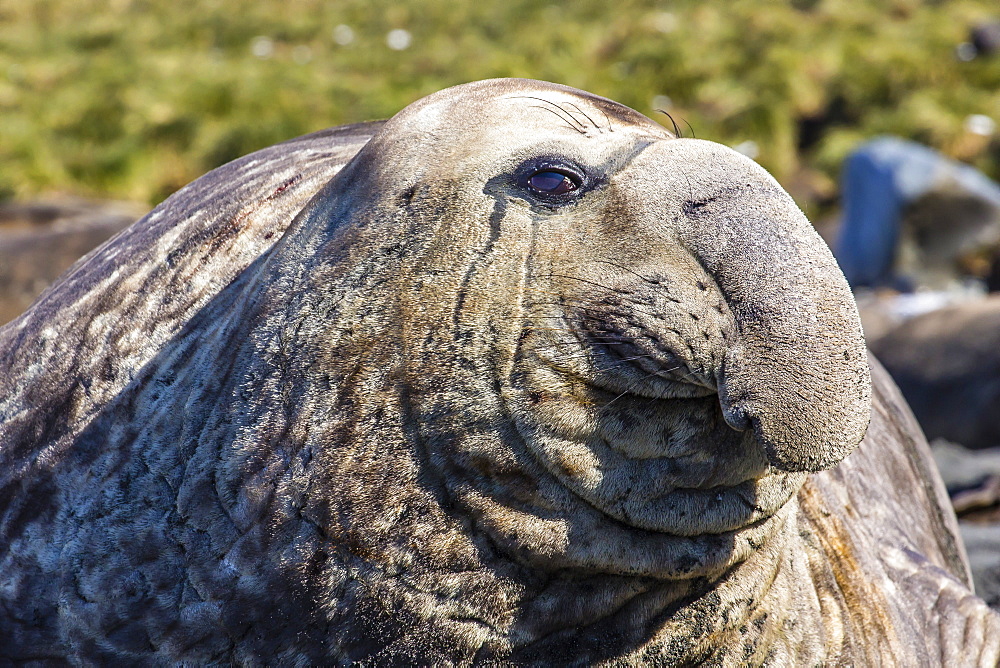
(740, 614)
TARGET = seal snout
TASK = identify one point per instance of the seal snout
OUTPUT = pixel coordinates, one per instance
(794, 369)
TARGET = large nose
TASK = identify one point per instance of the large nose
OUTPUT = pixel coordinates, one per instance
(797, 370)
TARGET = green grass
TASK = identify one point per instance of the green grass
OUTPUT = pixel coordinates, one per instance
(135, 98)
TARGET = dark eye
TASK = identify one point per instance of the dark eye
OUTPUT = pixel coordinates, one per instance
(550, 182)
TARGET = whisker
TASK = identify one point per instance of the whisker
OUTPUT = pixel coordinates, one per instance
(569, 125)
(677, 130)
(584, 280)
(616, 291)
(627, 390)
(553, 345)
(562, 358)
(570, 104)
(547, 329)
(664, 373)
(608, 119)
(559, 111)
(636, 357)
(631, 271)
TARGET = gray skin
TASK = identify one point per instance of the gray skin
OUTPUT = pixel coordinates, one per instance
(397, 407)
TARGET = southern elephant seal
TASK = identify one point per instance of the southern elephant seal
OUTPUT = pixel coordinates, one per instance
(525, 380)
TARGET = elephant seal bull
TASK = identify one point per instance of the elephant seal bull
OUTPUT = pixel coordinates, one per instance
(516, 377)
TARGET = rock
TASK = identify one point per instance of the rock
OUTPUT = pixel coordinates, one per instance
(947, 364)
(962, 468)
(982, 543)
(40, 240)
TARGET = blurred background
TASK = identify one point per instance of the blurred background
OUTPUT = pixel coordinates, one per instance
(108, 107)
(132, 99)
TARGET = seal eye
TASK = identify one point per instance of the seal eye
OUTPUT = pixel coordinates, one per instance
(551, 182)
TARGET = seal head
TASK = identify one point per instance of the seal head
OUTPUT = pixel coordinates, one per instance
(622, 348)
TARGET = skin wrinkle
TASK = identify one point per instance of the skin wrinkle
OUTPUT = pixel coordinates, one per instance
(652, 336)
(596, 621)
(603, 341)
(401, 426)
(495, 233)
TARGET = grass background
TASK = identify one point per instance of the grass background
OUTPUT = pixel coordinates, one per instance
(134, 98)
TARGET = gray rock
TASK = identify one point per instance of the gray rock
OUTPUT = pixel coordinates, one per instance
(947, 364)
(40, 240)
(982, 543)
(962, 468)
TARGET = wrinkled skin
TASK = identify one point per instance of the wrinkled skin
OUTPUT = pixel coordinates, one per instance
(429, 413)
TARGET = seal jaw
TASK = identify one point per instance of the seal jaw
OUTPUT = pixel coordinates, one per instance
(650, 365)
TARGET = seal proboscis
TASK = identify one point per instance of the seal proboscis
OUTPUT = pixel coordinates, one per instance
(516, 376)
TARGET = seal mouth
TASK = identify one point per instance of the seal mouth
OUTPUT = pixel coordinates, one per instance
(692, 511)
(616, 410)
(642, 465)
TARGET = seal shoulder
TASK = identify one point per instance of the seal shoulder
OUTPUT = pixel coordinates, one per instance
(86, 336)
(892, 563)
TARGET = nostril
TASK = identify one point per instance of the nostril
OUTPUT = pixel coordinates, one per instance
(736, 417)
(732, 400)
